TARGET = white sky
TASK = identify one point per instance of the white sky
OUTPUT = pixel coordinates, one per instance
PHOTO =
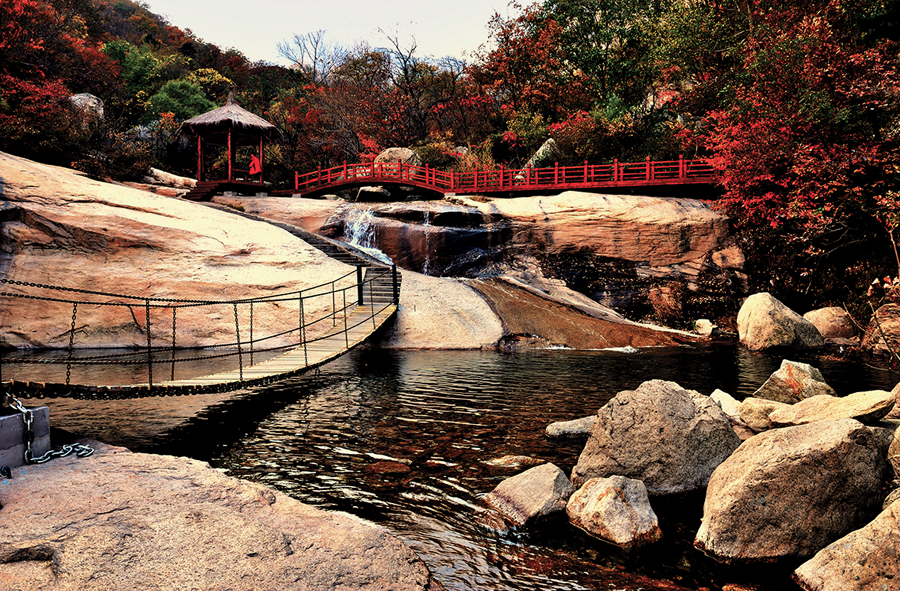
(254, 27)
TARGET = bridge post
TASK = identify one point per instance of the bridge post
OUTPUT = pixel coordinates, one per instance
(616, 170)
(681, 166)
(359, 284)
(585, 172)
(296, 181)
(396, 285)
(647, 170)
(502, 175)
(556, 174)
(345, 170)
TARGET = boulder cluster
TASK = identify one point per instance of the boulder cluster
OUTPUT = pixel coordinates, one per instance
(793, 474)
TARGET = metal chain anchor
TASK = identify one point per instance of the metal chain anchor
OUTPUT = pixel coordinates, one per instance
(82, 451)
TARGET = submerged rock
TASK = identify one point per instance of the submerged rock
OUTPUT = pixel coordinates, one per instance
(615, 509)
(122, 521)
(668, 437)
(793, 382)
(575, 428)
(790, 492)
(765, 323)
(532, 495)
(865, 559)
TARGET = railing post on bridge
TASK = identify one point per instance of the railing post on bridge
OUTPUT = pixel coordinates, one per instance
(647, 170)
(585, 172)
(616, 170)
(359, 285)
(345, 170)
(681, 166)
(319, 180)
(556, 173)
(296, 181)
(396, 285)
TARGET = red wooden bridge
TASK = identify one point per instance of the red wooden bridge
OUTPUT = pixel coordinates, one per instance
(587, 176)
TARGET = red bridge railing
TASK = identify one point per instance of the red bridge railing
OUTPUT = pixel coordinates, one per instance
(617, 174)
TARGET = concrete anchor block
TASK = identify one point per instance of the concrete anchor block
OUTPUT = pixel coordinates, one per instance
(12, 436)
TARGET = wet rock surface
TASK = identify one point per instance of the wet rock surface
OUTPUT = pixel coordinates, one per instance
(794, 382)
(532, 495)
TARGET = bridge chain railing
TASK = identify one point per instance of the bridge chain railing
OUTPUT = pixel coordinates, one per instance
(336, 311)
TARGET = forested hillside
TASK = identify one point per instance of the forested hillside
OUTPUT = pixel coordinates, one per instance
(796, 101)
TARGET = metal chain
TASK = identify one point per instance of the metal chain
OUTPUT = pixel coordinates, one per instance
(80, 450)
(149, 347)
(71, 344)
(237, 332)
(174, 310)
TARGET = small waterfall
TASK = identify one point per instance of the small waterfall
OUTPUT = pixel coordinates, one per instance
(427, 225)
(359, 232)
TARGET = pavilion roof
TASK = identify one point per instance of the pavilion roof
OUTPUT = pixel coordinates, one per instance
(244, 125)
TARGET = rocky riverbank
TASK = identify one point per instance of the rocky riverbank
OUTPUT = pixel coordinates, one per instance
(122, 521)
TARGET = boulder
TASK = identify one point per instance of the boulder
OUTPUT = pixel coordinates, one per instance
(706, 328)
(895, 412)
(616, 510)
(575, 428)
(883, 332)
(404, 155)
(88, 104)
(832, 322)
(894, 454)
(793, 382)
(765, 323)
(120, 521)
(532, 495)
(668, 437)
(787, 493)
(892, 497)
(865, 559)
(730, 406)
(755, 412)
(731, 257)
(865, 407)
(547, 155)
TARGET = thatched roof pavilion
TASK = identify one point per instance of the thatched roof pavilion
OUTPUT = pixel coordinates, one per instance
(230, 126)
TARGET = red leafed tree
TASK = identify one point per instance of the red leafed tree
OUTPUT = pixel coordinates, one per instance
(808, 147)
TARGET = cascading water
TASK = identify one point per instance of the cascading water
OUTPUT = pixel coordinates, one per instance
(359, 232)
(427, 226)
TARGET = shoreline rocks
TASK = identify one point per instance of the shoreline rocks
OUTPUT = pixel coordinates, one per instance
(766, 323)
(533, 495)
(616, 510)
(121, 521)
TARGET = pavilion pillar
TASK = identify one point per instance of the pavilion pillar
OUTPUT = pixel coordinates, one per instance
(261, 166)
(230, 158)
(199, 158)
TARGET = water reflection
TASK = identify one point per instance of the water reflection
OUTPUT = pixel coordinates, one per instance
(401, 439)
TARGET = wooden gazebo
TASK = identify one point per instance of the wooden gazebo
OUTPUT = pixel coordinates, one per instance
(230, 126)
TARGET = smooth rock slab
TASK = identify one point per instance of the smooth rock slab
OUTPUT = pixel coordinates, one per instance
(575, 428)
(865, 407)
(532, 495)
(765, 323)
(669, 438)
(788, 493)
(124, 521)
(793, 382)
(615, 509)
(864, 559)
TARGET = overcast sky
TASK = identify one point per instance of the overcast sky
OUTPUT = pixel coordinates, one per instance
(254, 27)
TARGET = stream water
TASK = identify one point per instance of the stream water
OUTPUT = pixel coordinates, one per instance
(401, 438)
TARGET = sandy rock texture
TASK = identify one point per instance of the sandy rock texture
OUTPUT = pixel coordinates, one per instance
(123, 521)
(63, 229)
(788, 493)
(794, 382)
(766, 323)
(615, 509)
(669, 438)
(865, 407)
(832, 322)
(863, 559)
(533, 495)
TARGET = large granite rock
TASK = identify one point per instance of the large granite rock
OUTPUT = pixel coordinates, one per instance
(832, 322)
(790, 492)
(730, 406)
(123, 521)
(668, 437)
(863, 560)
(865, 407)
(615, 509)
(531, 496)
(894, 454)
(754, 412)
(404, 155)
(794, 382)
(883, 332)
(60, 228)
(766, 323)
